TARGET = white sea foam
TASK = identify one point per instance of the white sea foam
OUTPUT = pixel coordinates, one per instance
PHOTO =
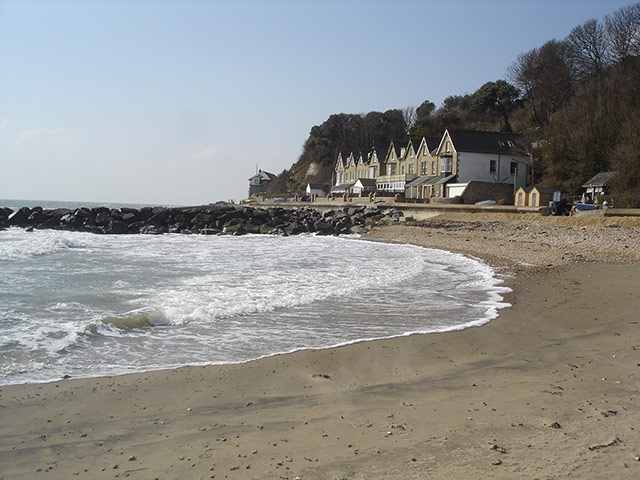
(16, 244)
(94, 305)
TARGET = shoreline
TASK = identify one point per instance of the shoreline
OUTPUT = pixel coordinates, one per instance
(526, 395)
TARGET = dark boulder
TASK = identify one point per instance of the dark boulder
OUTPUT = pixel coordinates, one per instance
(145, 213)
(161, 217)
(4, 213)
(129, 217)
(37, 217)
(103, 218)
(116, 227)
(20, 217)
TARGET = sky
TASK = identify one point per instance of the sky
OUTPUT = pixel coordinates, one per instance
(177, 102)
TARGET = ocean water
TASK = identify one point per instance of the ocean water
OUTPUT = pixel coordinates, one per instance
(51, 204)
(87, 305)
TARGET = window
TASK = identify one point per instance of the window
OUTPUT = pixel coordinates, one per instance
(373, 172)
(448, 147)
(423, 168)
(514, 168)
(402, 151)
(402, 169)
(534, 200)
(426, 149)
(493, 164)
(433, 168)
(392, 169)
(411, 169)
(520, 202)
(445, 165)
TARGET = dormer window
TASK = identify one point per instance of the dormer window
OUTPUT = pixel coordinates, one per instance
(501, 143)
(510, 143)
(447, 147)
(402, 151)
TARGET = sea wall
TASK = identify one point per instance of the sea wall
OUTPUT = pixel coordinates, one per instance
(219, 218)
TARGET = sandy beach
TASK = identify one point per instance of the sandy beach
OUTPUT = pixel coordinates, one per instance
(549, 389)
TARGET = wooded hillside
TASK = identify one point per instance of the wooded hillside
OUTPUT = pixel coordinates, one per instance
(577, 101)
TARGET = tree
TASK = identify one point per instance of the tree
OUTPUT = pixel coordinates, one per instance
(425, 109)
(545, 76)
(623, 32)
(590, 48)
(409, 116)
(500, 98)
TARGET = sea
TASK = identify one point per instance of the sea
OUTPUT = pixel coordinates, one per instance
(85, 305)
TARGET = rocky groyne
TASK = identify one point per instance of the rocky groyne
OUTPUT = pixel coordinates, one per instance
(220, 218)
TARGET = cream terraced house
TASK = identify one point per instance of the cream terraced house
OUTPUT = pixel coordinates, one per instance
(350, 167)
(473, 155)
(428, 168)
(394, 179)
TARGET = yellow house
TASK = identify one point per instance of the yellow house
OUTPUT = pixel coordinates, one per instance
(351, 168)
(392, 180)
(427, 167)
(340, 168)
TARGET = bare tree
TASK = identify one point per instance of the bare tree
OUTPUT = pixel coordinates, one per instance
(590, 48)
(409, 115)
(623, 32)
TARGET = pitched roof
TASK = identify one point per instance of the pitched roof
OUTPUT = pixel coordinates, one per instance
(600, 180)
(486, 142)
(545, 190)
(432, 142)
(415, 142)
(381, 153)
(264, 176)
(396, 146)
(367, 182)
(421, 181)
(365, 157)
(342, 187)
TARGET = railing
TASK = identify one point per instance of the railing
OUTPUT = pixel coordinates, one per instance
(404, 177)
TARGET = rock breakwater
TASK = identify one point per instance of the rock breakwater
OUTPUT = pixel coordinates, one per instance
(219, 218)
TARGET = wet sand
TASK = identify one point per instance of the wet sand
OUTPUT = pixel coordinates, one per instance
(550, 389)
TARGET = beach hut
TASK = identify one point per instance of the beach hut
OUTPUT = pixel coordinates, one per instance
(522, 197)
(541, 196)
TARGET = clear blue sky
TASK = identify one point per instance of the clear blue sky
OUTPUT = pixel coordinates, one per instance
(176, 101)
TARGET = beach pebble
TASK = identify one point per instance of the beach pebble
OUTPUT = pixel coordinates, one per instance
(132, 458)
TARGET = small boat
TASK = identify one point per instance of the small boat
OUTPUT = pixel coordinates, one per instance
(586, 206)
